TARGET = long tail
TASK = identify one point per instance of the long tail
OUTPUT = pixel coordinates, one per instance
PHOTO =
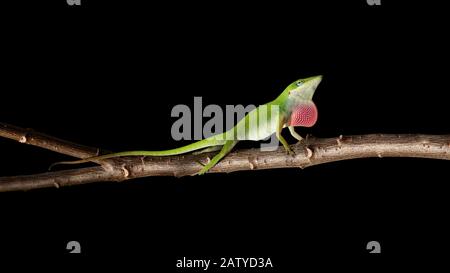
(181, 150)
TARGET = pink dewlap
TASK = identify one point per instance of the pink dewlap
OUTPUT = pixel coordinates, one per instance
(304, 115)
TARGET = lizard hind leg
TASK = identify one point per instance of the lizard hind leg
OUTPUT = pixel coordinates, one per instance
(227, 147)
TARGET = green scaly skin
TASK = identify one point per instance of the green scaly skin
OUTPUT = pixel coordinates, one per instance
(297, 93)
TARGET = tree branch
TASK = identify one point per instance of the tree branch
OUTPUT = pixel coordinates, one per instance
(29, 136)
(312, 152)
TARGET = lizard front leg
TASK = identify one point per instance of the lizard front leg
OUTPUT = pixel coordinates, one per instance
(294, 133)
(281, 138)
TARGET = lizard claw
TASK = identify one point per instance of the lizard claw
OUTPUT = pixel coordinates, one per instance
(203, 164)
(200, 163)
(289, 151)
(202, 171)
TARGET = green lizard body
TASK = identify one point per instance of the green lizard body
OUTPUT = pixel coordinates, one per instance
(293, 107)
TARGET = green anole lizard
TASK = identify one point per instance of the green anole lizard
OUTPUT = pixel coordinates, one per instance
(293, 107)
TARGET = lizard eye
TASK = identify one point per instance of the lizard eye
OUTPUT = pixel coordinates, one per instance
(299, 83)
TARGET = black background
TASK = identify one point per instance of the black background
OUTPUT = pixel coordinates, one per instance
(107, 74)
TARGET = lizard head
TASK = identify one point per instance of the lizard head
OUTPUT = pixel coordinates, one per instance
(299, 105)
(304, 89)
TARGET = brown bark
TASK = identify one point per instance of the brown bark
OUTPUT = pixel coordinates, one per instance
(312, 152)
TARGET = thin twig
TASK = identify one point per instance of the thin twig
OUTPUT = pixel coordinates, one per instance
(29, 136)
(312, 152)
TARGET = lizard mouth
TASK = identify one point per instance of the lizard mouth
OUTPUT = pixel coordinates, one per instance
(304, 115)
